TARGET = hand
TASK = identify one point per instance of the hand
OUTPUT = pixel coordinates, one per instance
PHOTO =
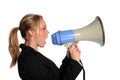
(73, 52)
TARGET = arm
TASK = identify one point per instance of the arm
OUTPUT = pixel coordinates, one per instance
(70, 67)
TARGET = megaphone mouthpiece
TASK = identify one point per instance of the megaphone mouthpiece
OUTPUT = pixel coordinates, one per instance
(61, 37)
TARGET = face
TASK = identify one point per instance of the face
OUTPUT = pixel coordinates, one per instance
(41, 34)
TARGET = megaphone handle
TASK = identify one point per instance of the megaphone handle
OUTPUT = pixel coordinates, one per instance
(67, 45)
(83, 70)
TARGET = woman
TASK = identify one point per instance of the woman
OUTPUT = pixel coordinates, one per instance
(32, 65)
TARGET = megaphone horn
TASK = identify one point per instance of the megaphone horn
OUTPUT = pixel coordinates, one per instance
(92, 32)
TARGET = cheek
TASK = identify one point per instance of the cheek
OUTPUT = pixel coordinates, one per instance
(42, 34)
(41, 37)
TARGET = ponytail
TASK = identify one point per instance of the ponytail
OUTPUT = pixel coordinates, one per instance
(13, 46)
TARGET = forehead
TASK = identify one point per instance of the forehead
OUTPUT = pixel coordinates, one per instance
(42, 23)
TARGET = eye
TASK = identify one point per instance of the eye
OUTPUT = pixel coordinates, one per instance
(44, 28)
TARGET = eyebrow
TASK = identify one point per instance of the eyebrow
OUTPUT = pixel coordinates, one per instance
(44, 27)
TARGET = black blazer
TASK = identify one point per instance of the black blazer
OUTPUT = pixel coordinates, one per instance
(32, 65)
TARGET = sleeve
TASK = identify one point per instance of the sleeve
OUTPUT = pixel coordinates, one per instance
(70, 69)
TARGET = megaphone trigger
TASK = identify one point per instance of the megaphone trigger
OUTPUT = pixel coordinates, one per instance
(67, 45)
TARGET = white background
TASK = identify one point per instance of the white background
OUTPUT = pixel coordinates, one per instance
(101, 63)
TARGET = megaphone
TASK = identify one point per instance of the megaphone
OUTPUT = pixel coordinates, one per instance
(92, 32)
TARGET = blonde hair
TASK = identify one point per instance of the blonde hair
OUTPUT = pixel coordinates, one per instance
(29, 21)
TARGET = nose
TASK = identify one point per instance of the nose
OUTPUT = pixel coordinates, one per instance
(47, 32)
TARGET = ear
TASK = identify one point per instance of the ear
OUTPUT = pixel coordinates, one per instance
(31, 32)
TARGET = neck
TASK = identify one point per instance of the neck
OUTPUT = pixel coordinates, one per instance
(31, 44)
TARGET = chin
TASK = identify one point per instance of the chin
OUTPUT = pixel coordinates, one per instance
(42, 46)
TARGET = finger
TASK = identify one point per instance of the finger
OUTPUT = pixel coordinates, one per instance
(71, 49)
(76, 48)
(76, 42)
